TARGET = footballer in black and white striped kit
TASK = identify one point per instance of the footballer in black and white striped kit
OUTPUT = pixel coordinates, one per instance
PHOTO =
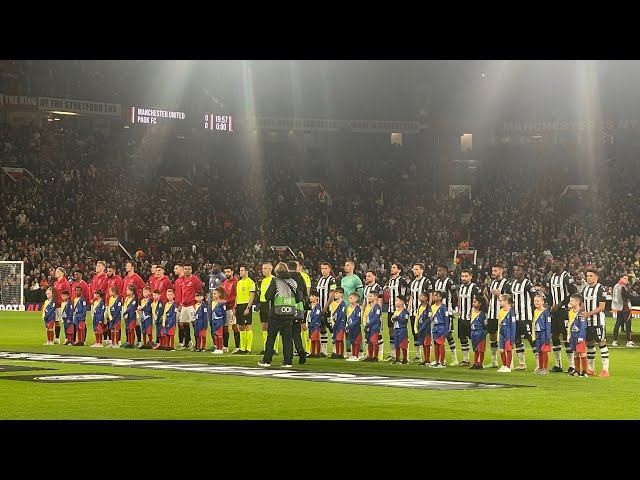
(396, 285)
(325, 287)
(561, 287)
(594, 305)
(499, 286)
(466, 293)
(419, 284)
(522, 293)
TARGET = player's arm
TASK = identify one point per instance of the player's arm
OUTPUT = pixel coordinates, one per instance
(252, 296)
(330, 299)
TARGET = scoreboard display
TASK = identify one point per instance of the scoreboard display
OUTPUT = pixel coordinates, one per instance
(154, 116)
(220, 123)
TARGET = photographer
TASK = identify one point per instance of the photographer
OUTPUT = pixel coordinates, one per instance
(283, 294)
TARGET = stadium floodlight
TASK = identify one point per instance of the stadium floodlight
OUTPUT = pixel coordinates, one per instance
(11, 285)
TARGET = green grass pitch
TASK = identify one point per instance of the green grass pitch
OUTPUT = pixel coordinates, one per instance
(185, 395)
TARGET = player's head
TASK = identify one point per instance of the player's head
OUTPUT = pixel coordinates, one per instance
(60, 273)
(101, 266)
(506, 301)
(199, 296)
(539, 301)
(479, 303)
(170, 294)
(132, 291)
(130, 266)
(325, 269)
(49, 293)
(218, 293)
(592, 277)
(227, 271)
(111, 270)
(519, 271)
(114, 292)
(349, 266)
(159, 273)
(438, 295)
(497, 271)
(575, 301)
(77, 275)
(396, 268)
(267, 268)
(465, 276)
(313, 296)
(244, 271)
(442, 271)
(156, 294)
(98, 295)
(215, 266)
(178, 269)
(188, 269)
(373, 296)
(338, 293)
(65, 294)
(418, 269)
(400, 302)
(153, 268)
(370, 277)
(558, 265)
(423, 297)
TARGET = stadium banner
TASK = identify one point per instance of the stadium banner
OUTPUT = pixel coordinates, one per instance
(569, 125)
(18, 102)
(334, 125)
(80, 107)
(16, 307)
(16, 173)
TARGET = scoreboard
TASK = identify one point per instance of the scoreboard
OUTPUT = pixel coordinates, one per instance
(220, 123)
(153, 116)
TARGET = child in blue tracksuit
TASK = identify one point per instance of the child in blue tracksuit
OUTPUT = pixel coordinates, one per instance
(354, 323)
(80, 317)
(478, 331)
(157, 311)
(400, 319)
(338, 320)
(145, 308)
(169, 321)
(373, 322)
(98, 316)
(578, 335)
(423, 327)
(507, 332)
(218, 316)
(114, 313)
(66, 306)
(542, 332)
(314, 320)
(200, 320)
(439, 327)
(130, 315)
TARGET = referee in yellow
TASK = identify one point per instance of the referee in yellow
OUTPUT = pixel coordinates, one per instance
(245, 296)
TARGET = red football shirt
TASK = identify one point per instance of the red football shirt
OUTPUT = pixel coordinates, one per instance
(114, 281)
(86, 293)
(99, 282)
(177, 290)
(190, 285)
(134, 280)
(230, 289)
(59, 286)
(163, 284)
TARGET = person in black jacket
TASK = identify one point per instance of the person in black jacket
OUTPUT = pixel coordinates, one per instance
(281, 286)
(296, 331)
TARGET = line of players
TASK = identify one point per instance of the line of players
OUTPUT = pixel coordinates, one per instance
(461, 298)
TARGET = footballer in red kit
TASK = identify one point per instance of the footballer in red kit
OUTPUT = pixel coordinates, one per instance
(59, 285)
(190, 284)
(132, 278)
(230, 286)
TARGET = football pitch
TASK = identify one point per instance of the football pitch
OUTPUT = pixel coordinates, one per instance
(190, 385)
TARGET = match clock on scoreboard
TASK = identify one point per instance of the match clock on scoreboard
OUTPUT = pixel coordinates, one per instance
(221, 123)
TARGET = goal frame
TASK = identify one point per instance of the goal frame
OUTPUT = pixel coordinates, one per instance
(21, 262)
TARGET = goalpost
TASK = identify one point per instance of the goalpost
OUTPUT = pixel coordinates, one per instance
(11, 285)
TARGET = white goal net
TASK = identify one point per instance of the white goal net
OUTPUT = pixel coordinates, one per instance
(11, 285)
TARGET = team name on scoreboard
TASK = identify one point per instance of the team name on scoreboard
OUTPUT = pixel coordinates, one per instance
(151, 115)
